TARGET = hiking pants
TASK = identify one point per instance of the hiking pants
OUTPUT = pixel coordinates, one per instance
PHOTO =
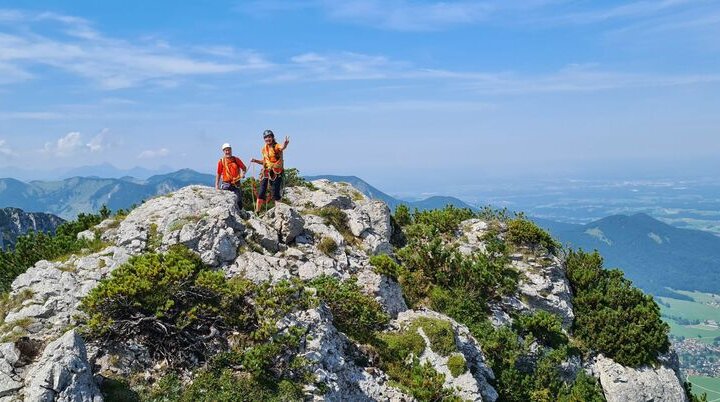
(276, 186)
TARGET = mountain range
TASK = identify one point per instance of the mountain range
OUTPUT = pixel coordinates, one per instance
(657, 257)
(372, 192)
(67, 198)
(14, 223)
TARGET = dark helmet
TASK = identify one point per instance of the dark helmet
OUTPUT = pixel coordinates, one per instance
(268, 133)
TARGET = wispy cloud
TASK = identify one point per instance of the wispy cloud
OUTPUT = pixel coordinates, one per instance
(337, 67)
(5, 149)
(407, 15)
(65, 146)
(99, 142)
(72, 144)
(30, 116)
(111, 63)
(154, 153)
(395, 106)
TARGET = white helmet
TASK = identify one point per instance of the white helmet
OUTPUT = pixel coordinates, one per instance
(225, 145)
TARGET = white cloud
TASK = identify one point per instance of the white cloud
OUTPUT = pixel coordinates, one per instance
(99, 142)
(156, 153)
(65, 146)
(111, 63)
(5, 150)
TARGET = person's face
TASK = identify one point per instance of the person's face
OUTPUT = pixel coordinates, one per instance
(227, 151)
(269, 139)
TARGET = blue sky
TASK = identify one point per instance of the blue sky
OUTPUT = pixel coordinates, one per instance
(399, 92)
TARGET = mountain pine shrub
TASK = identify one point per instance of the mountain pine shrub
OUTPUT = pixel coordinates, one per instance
(611, 316)
(354, 313)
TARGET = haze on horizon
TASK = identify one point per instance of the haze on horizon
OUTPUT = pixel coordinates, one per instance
(392, 91)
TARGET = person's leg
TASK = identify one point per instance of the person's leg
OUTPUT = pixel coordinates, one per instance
(276, 187)
(261, 193)
(238, 192)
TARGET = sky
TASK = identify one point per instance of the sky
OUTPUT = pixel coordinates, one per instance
(405, 94)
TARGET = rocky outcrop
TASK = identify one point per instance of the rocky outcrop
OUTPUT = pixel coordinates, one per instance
(63, 373)
(624, 384)
(471, 385)
(283, 243)
(15, 223)
(330, 354)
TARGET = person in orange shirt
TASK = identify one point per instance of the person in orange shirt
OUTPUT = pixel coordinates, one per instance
(272, 162)
(231, 170)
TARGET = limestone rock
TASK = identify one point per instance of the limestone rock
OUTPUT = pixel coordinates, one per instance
(286, 221)
(326, 194)
(10, 381)
(204, 219)
(624, 384)
(545, 287)
(386, 291)
(329, 354)
(62, 373)
(474, 384)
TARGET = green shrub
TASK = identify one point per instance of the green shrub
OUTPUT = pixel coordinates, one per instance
(385, 265)
(446, 220)
(613, 317)
(327, 245)
(402, 215)
(543, 326)
(428, 263)
(457, 365)
(439, 332)
(399, 358)
(223, 385)
(354, 313)
(585, 389)
(523, 232)
(167, 302)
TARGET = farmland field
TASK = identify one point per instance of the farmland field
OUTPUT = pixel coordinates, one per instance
(708, 385)
(703, 314)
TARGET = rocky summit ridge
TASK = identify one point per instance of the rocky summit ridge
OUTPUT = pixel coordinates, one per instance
(44, 356)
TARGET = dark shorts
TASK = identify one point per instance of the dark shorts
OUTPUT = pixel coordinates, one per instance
(276, 187)
(235, 189)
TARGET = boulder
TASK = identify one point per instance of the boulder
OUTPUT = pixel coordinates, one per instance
(62, 373)
(10, 381)
(286, 221)
(625, 384)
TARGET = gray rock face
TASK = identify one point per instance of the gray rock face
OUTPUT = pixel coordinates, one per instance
(10, 381)
(56, 289)
(545, 287)
(63, 373)
(327, 350)
(386, 291)
(623, 384)
(473, 384)
(15, 223)
(204, 219)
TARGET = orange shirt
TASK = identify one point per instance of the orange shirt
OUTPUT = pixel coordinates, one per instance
(273, 157)
(230, 168)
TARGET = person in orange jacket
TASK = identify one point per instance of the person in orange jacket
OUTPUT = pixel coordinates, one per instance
(272, 163)
(231, 170)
